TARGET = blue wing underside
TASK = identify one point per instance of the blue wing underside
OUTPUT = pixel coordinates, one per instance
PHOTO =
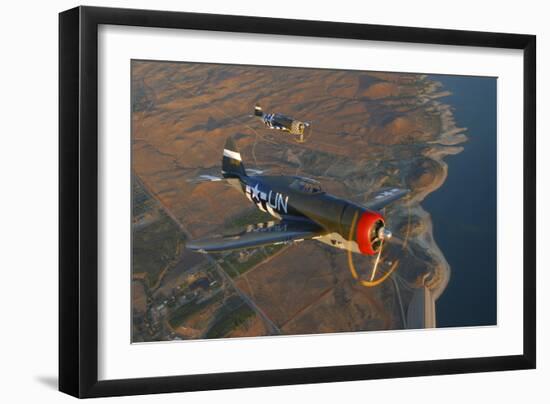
(261, 234)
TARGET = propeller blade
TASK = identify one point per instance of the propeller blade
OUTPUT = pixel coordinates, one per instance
(373, 273)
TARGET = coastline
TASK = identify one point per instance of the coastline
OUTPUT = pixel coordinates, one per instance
(450, 136)
(467, 236)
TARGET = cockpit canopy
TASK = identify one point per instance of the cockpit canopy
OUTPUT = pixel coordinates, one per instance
(282, 120)
(306, 185)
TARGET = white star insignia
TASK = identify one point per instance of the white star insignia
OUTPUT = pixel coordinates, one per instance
(255, 192)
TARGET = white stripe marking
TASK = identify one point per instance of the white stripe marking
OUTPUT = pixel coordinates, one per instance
(260, 206)
(271, 211)
(232, 155)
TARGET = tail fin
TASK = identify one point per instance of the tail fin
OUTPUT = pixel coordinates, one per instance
(232, 165)
(258, 110)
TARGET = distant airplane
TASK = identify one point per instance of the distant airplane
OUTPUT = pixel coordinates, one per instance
(283, 123)
(303, 212)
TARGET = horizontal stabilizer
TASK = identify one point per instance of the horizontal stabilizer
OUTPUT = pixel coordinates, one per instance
(254, 171)
(205, 178)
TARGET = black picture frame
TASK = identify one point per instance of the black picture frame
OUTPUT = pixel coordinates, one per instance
(78, 200)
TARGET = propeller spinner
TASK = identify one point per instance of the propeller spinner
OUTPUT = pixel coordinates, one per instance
(371, 233)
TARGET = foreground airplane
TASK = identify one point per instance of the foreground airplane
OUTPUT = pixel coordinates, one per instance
(283, 123)
(303, 211)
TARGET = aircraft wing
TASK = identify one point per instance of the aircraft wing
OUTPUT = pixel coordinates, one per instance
(384, 197)
(258, 235)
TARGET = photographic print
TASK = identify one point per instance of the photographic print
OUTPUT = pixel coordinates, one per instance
(274, 201)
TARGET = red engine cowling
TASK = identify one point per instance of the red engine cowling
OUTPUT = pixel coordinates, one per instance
(368, 227)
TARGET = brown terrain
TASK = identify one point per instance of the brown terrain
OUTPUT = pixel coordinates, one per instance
(369, 129)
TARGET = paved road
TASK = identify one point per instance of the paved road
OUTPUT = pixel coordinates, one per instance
(398, 292)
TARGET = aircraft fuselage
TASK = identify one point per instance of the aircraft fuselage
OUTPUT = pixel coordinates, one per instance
(348, 225)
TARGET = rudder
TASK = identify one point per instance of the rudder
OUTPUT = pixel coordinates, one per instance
(232, 165)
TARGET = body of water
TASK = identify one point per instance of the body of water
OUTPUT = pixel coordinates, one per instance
(464, 209)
